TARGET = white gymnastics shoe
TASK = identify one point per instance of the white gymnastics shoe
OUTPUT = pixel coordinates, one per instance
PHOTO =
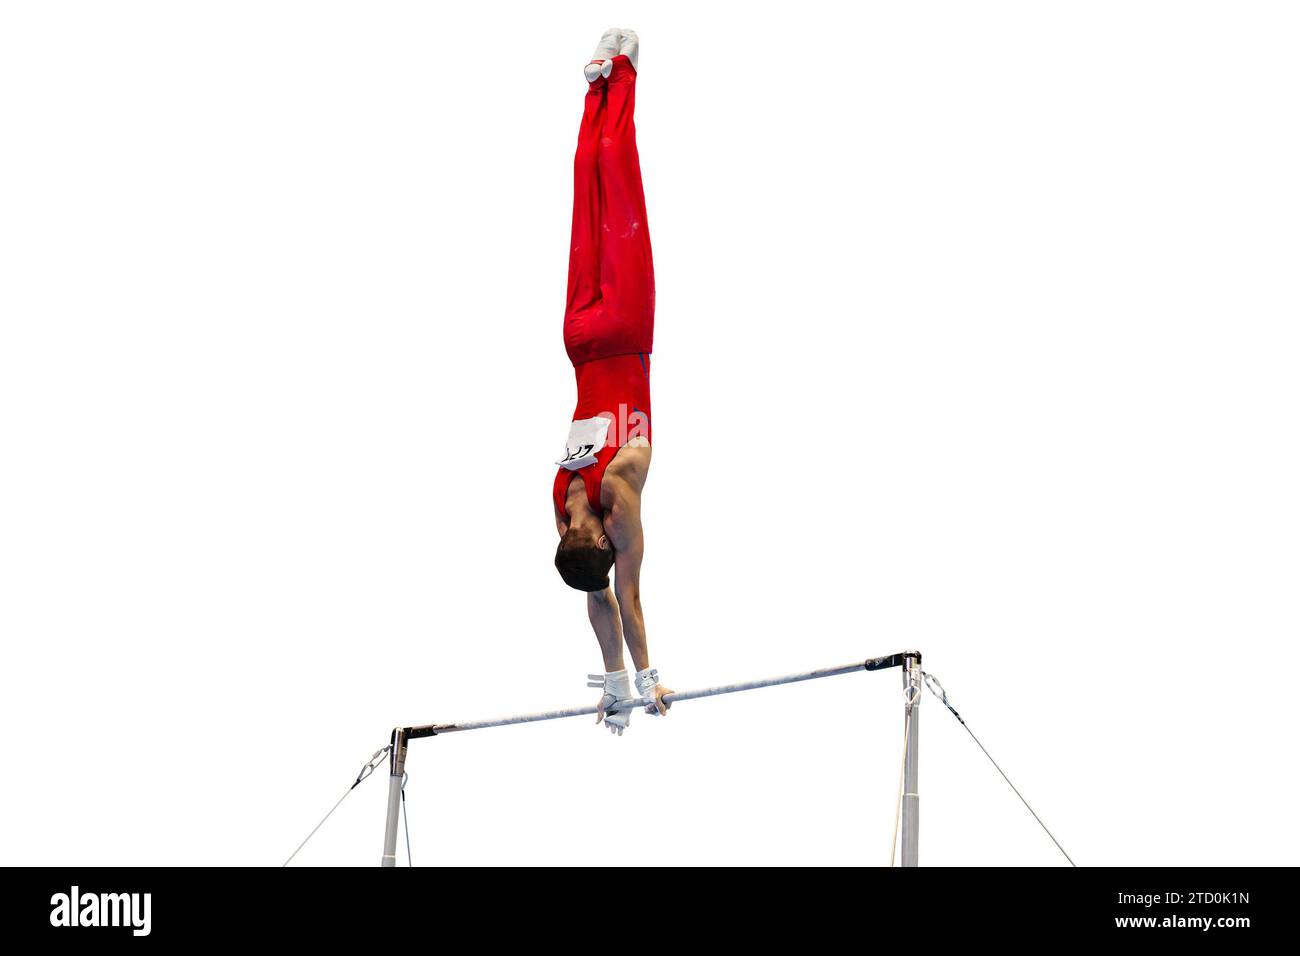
(602, 60)
(617, 688)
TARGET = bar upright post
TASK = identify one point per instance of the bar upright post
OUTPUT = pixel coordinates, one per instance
(396, 774)
(911, 758)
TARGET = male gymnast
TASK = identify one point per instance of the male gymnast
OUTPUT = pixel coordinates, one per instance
(608, 333)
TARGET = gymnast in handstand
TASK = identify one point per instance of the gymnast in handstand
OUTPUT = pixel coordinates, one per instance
(608, 333)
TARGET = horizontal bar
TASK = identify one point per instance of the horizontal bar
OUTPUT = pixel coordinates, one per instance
(874, 664)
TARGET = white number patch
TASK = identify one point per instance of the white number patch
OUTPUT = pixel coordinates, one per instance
(586, 437)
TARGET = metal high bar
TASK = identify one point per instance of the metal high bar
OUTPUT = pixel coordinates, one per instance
(909, 661)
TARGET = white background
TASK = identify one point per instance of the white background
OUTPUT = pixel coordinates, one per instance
(997, 303)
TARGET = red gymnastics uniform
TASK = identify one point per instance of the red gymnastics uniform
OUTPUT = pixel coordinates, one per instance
(609, 318)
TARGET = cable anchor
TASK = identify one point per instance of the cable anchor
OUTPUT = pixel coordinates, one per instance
(374, 762)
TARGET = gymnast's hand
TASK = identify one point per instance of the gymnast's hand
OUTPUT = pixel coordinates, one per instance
(649, 688)
(659, 693)
(618, 720)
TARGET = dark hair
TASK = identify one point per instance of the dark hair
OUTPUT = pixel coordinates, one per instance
(582, 563)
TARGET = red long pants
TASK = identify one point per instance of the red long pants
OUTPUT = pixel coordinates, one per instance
(611, 301)
(609, 317)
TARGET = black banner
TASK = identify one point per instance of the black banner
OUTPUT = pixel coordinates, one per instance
(710, 905)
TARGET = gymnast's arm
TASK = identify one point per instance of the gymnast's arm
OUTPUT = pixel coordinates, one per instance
(625, 534)
(623, 525)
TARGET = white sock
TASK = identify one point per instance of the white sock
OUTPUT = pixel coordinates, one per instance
(629, 46)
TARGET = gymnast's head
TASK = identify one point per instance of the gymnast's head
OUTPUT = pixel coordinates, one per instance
(584, 558)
